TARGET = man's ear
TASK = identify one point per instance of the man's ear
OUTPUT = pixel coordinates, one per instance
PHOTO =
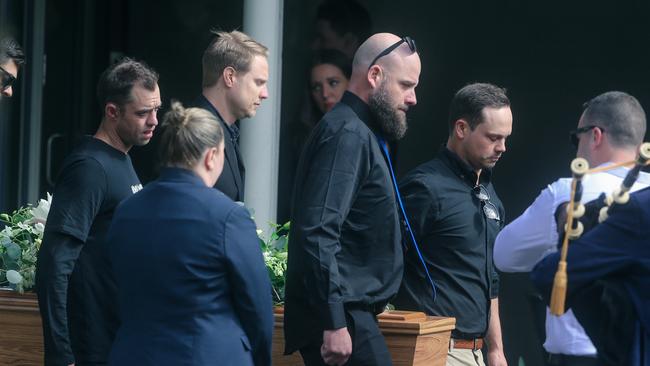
(461, 129)
(229, 76)
(598, 136)
(111, 110)
(374, 75)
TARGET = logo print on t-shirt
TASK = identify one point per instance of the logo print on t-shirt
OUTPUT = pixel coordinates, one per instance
(135, 188)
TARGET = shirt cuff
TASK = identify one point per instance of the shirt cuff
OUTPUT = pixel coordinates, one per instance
(334, 316)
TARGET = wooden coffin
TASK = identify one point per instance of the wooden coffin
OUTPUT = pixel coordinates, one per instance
(21, 335)
(412, 338)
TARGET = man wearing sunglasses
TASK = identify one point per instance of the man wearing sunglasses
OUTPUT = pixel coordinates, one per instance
(345, 258)
(610, 130)
(11, 59)
(455, 215)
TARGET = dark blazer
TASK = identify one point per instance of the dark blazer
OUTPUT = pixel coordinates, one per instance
(192, 285)
(608, 270)
(232, 179)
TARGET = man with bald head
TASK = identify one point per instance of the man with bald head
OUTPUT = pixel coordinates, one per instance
(345, 259)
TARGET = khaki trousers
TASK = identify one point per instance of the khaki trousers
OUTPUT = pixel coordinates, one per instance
(464, 357)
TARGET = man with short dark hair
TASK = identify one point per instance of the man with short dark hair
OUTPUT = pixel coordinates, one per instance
(610, 130)
(75, 286)
(455, 215)
(11, 59)
(345, 257)
(608, 288)
(341, 25)
(235, 75)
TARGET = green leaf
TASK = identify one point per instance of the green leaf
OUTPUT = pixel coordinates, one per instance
(281, 243)
(13, 251)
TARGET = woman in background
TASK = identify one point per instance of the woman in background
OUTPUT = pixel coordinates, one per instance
(192, 284)
(329, 75)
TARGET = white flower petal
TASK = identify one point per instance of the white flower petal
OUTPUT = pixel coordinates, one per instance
(14, 277)
(39, 228)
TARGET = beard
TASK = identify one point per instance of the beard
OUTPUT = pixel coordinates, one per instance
(392, 122)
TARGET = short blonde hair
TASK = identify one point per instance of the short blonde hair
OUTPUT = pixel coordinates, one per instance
(187, 133)
(234, 49)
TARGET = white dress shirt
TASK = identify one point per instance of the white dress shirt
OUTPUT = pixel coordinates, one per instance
(533, 235)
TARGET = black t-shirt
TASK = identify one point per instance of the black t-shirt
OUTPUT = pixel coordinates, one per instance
(94, 179)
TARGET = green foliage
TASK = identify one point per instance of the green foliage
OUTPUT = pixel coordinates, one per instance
(19, 243)
(274, 250)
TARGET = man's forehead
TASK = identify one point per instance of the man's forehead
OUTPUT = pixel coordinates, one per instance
(408, 69)
(496, 120)
(10, 67)
(259, 68)
(142, 96)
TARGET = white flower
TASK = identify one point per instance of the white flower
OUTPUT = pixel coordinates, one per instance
(39, 228)
(40, 212)
(7, 232)
(14, 277)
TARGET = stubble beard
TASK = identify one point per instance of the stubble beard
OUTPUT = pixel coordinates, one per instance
(392, 121)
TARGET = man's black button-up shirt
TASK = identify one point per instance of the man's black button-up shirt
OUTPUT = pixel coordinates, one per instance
(345, 248)
(456, 239)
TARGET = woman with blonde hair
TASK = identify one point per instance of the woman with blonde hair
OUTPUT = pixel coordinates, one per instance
(192, 284)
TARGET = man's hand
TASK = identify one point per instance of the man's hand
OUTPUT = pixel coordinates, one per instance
(337, 346)
(496, 358)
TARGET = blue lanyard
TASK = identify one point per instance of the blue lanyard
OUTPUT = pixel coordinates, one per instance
(384, 148)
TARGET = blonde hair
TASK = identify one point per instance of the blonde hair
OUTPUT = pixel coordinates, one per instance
(234, 49)
(187, 133)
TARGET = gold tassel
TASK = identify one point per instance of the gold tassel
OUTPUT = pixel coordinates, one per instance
(558, 296)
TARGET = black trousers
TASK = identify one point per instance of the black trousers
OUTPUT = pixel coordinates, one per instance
(368, 344)
(568, 360)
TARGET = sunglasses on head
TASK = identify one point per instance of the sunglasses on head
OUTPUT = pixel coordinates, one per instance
(408, 40)
(7, 79)
(574, 135)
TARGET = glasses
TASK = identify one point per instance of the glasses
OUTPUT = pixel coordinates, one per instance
(408, 40)
(489, 209)
(7, 79)
(575, 140)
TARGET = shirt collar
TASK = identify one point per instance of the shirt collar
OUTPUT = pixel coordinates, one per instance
(233, 129)
(180, 175)
(463, 170)
(361, 109)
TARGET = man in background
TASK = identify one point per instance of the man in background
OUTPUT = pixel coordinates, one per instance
(341, 25)
(235, 75)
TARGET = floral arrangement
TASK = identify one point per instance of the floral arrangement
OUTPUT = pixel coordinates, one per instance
(19, 243)
(274, 249)
(22, 235)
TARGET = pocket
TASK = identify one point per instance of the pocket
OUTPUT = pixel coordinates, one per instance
(246, 343)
